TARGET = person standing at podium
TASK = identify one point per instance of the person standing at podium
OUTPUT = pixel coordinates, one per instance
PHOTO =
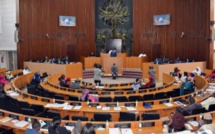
(97, 74)
(113, 52)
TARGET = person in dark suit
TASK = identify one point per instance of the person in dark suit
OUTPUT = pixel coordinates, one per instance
(35, 128)
(114, 70)
(113, 52)
(56, 128)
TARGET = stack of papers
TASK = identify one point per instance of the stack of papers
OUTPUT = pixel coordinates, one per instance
(77, 107)
(21, 123)
(126, 131)
(194, 123)
(168, 104)
(131, 108)
(70, 128)
(106, 108)
(12, 93)
(67, 107)
(188, 127)
(114, 131)
(178, 103)
(117, 108)
(56, 105)
(6, 119)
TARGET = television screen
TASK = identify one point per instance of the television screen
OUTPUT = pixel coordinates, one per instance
(67, 21)
(163, 19)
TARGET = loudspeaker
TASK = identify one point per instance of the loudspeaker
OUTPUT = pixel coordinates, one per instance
(17, 25)
(212, 22)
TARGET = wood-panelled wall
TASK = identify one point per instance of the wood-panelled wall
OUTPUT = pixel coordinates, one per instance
(39, 27)
(189, 16)
(38, 18)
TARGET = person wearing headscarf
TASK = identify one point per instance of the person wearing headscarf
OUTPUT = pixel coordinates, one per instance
(186, 86)
(197, 71)
(176, 72)
(152, 73)
(177, 122)
(184, 77)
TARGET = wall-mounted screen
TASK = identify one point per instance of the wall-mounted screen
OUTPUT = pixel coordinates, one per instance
(163, 19)
(69, 21)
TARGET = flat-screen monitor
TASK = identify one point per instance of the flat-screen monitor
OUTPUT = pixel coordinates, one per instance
(114, 43)
(163, 19)
(69, 21)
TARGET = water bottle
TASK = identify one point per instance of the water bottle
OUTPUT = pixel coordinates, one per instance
(53, 100)
(136, 103)
(170, 99)
(117, 104)
(107, 124)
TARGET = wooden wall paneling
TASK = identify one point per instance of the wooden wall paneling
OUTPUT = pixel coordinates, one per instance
(170, 30)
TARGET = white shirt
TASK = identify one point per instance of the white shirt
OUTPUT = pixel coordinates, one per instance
(142, 55)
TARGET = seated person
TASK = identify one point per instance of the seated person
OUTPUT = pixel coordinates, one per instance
(57, 128)
(177, 122)
(150, 83)
(197, 71)
(62, 80)
(114, 70)
(176, 73)
(113, 52)
(187, 110)
(26, 70)
(35, 128)
(75, 84)
(142, 55)
(68, 82)
(9, 76)
(136, 85)
(184, 77)
(212, 75)
(158, 61)
(36, 79)
(177, 60)
(191, 77)
(3, 81)
(88, 129)
(186, 86)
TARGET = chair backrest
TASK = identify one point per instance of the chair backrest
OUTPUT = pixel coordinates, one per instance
(52, 114)
(82, 118)
(75, 103)
(198, 111)
(160, 96)
(102, 117)
(23, 104)
(211, 107)
(105, 99)
(120, 99)
(148, 97)
(125, 116)
(150, 116)
(37, 107)
(73, 98)
(60, 97)
(111, 105)
(135, 98)
(28, 111)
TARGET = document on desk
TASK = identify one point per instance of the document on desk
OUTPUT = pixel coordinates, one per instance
(194, 123)
(77, 107)
(131, 108)
(70, 128)
(48, 105)
(6, 119)
(21, 123)
(114, 131)
(188, 127)
(168, 104)
(117, 108)
(67, 107)
(126, 131)
(105, 108)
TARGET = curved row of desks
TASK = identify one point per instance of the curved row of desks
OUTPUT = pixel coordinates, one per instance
(162, 109)
(147, 127)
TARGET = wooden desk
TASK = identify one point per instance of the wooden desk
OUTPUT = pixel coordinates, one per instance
(166, 68)
(70, 70)
(89, 62)
(162, 109)
(3, 71)
(135, 62)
